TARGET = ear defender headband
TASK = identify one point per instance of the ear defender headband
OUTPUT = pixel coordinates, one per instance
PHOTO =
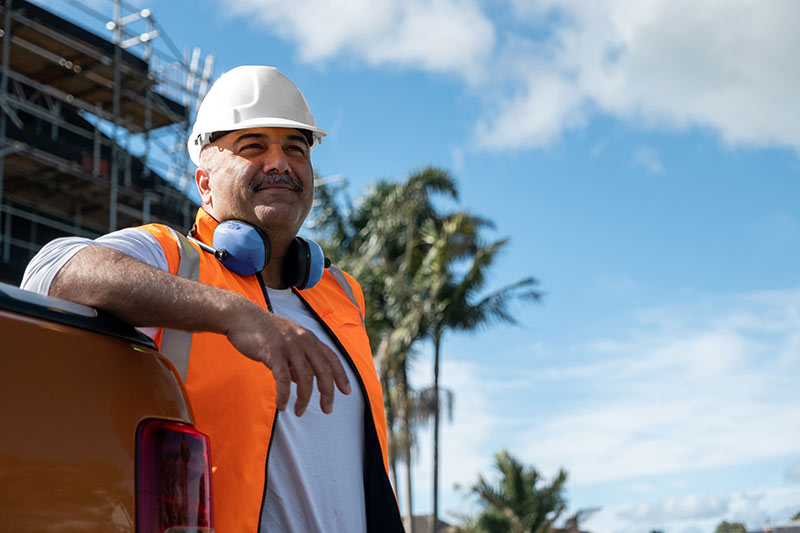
(245, 249)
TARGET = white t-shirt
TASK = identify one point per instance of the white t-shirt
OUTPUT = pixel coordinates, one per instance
(325, 453)
(321, 456)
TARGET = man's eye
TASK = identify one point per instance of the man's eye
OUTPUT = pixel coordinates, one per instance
(253, 146)
(296, 148)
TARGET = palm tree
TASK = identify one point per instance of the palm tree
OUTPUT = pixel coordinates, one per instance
(379, 242)
(730, 527)
(519, 502)
(403, 210)
(448, 299)
(404, 252)
(363, 241)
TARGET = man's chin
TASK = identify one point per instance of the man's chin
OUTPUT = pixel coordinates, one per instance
(279, 217)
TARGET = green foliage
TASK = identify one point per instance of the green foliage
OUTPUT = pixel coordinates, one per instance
(519, 501)
(730, 527)
(378, 240)
(797, 516)
(423, 272)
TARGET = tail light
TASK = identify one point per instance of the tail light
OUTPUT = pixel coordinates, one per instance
(173, 479)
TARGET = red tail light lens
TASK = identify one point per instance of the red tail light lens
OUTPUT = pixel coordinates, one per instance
(173, 479)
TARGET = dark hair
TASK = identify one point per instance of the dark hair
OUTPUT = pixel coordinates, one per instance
(217, 135)
(309, 137)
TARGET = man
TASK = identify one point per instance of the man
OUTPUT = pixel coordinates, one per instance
(320, 468)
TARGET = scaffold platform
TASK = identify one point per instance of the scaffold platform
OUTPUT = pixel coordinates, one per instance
(91, 134)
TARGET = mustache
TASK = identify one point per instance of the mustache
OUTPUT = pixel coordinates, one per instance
(282, 178)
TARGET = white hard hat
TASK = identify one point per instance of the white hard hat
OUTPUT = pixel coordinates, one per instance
(251, 97)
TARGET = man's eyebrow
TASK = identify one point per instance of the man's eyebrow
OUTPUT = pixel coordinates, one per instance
(291, 137)
(298, 137)
(245, 136)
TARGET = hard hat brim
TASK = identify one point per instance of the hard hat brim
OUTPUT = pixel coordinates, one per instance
(198, 140)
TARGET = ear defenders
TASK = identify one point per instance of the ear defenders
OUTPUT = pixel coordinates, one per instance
(245, 249)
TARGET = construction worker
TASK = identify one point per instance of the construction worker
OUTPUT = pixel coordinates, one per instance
(270, 319)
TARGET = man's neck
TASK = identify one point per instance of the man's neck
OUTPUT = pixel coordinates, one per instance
(271, 278)
(279, 240)
(273, 272)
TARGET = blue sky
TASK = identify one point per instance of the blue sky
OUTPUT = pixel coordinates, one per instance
(643, 159)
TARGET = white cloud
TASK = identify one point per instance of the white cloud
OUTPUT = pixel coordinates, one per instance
(441, 36)
(699, 512)
(598, 148)
(793, 471)
(679, 508)
(723, 65)
(466, 444)
(698, 388)
(457, 155)
(779, 229)
(647, 158)
(774, 505)
(702, 386)
(727, 66)
(536, 116)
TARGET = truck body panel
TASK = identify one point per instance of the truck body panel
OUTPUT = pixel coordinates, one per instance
(71, 399)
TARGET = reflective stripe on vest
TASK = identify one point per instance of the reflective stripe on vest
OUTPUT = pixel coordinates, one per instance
(345, 285)
(233, 397)
(176, 344)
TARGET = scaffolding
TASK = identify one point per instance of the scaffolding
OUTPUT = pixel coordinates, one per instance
(92, 130)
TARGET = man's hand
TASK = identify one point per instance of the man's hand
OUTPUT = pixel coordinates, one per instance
(292, 352)
(145, 296)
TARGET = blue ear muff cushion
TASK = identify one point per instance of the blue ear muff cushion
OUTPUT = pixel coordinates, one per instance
(304, 264)
(247, 246)
(317, 266)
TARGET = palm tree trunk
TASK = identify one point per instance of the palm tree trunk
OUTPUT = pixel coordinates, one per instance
(409, 506)
(389, 410)
(407, 429)
(393, 473)
(436, 342)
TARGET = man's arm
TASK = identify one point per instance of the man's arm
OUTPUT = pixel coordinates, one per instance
(145, 296)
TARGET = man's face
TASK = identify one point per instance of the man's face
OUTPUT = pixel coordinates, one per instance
(259, 175)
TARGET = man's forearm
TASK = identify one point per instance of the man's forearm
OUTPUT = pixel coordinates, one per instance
(145, 296)
(141, 295)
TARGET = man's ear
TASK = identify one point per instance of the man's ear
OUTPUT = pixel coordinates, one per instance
(203, 181)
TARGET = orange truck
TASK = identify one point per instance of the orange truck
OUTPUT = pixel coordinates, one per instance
(96, 432)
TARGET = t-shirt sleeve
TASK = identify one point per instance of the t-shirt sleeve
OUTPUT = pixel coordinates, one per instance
(135, 242)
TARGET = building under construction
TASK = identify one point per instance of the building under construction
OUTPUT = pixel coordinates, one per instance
(92, 128)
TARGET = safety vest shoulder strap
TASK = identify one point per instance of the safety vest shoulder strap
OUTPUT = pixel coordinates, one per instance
(176, 344)
(340, 278)
(189, 261)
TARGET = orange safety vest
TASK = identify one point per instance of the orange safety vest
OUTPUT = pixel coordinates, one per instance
(233, 397)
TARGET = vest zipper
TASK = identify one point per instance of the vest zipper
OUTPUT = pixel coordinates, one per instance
(367, 410)
(266, 472)
(264, 292)
(274, 420)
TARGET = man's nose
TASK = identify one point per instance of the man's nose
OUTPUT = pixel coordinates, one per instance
(274, 159)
